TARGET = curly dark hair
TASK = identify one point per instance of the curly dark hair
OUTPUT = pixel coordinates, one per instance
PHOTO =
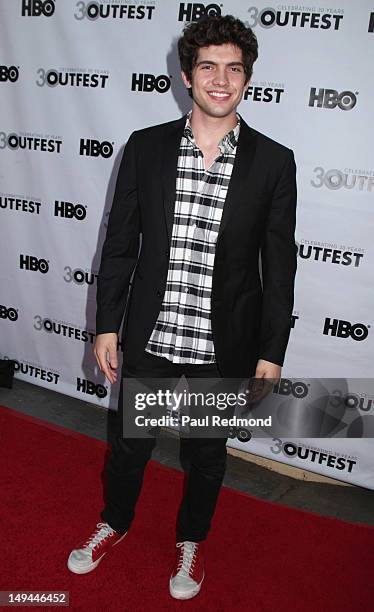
(216, 30)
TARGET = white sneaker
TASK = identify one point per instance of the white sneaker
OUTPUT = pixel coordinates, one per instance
(88, 556)
(188, 574)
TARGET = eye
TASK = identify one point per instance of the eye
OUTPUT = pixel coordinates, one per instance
(206, 66)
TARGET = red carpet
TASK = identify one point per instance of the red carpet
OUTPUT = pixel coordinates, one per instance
(261, 557)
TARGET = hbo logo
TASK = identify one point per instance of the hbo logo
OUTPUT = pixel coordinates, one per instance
(88, 387)
(94, 148)
(69, 211)
(9, 73)
(330, 98)
(35, 8)
(149, 82)
(29, 262)
(193, 12)
(8, 313)
(345, 329)
(287, 387)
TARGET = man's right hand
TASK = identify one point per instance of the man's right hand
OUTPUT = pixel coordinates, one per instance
(105, 350)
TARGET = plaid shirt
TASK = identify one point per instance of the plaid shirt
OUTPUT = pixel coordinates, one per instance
(183, 332)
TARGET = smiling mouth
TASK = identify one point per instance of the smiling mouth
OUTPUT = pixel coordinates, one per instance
(219, 95)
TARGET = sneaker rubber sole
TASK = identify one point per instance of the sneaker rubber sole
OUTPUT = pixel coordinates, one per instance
(178, 595)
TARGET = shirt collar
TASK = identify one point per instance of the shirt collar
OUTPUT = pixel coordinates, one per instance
(226, 145)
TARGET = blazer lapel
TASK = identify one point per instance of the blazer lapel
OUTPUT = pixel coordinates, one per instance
(243, 159)
(172, 138)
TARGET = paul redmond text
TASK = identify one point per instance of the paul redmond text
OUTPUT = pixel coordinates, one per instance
(205, 421)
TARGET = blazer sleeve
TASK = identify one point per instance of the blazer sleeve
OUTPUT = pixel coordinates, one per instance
(121, 246)
(279, 263)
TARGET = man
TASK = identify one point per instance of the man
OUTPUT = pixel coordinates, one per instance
(208, 194)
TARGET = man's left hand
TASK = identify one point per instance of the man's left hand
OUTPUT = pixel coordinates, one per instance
(268, 370)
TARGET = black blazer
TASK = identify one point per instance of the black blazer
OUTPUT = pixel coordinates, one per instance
(252, 299)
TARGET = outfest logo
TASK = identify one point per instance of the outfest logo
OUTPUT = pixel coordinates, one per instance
(18, 203)
(72, 77)
(30, 141)
(113, 9)
(302, 17)
(67, 330)
(348, 178)
(35, 371)
(78, 276)
(264, 91)
(332, 253)
(314, 455)
(61, 328)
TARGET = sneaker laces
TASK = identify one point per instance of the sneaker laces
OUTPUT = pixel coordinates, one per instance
(103, 531)
(187, 558)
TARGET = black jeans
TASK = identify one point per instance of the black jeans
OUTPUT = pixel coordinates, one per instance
(129, 456)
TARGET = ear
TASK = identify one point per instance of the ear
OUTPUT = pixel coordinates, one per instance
(185, 80)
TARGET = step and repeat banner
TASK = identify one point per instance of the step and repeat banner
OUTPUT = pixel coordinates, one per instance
(77, 77)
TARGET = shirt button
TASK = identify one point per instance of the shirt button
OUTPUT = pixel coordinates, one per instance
(186, 289)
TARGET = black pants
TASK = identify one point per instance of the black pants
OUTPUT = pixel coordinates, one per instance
(129, 456)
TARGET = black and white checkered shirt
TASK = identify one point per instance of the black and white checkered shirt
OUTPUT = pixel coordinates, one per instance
(182, 332)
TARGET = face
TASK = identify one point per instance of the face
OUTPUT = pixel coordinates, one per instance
(218, 79)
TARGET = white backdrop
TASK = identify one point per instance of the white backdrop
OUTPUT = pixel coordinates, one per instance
(76, 78)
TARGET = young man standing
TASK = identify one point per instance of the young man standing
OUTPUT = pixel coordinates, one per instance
(208, 194)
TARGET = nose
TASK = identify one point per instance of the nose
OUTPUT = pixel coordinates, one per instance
(220, 77)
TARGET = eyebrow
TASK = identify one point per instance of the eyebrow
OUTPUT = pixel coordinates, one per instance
(215, 63)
